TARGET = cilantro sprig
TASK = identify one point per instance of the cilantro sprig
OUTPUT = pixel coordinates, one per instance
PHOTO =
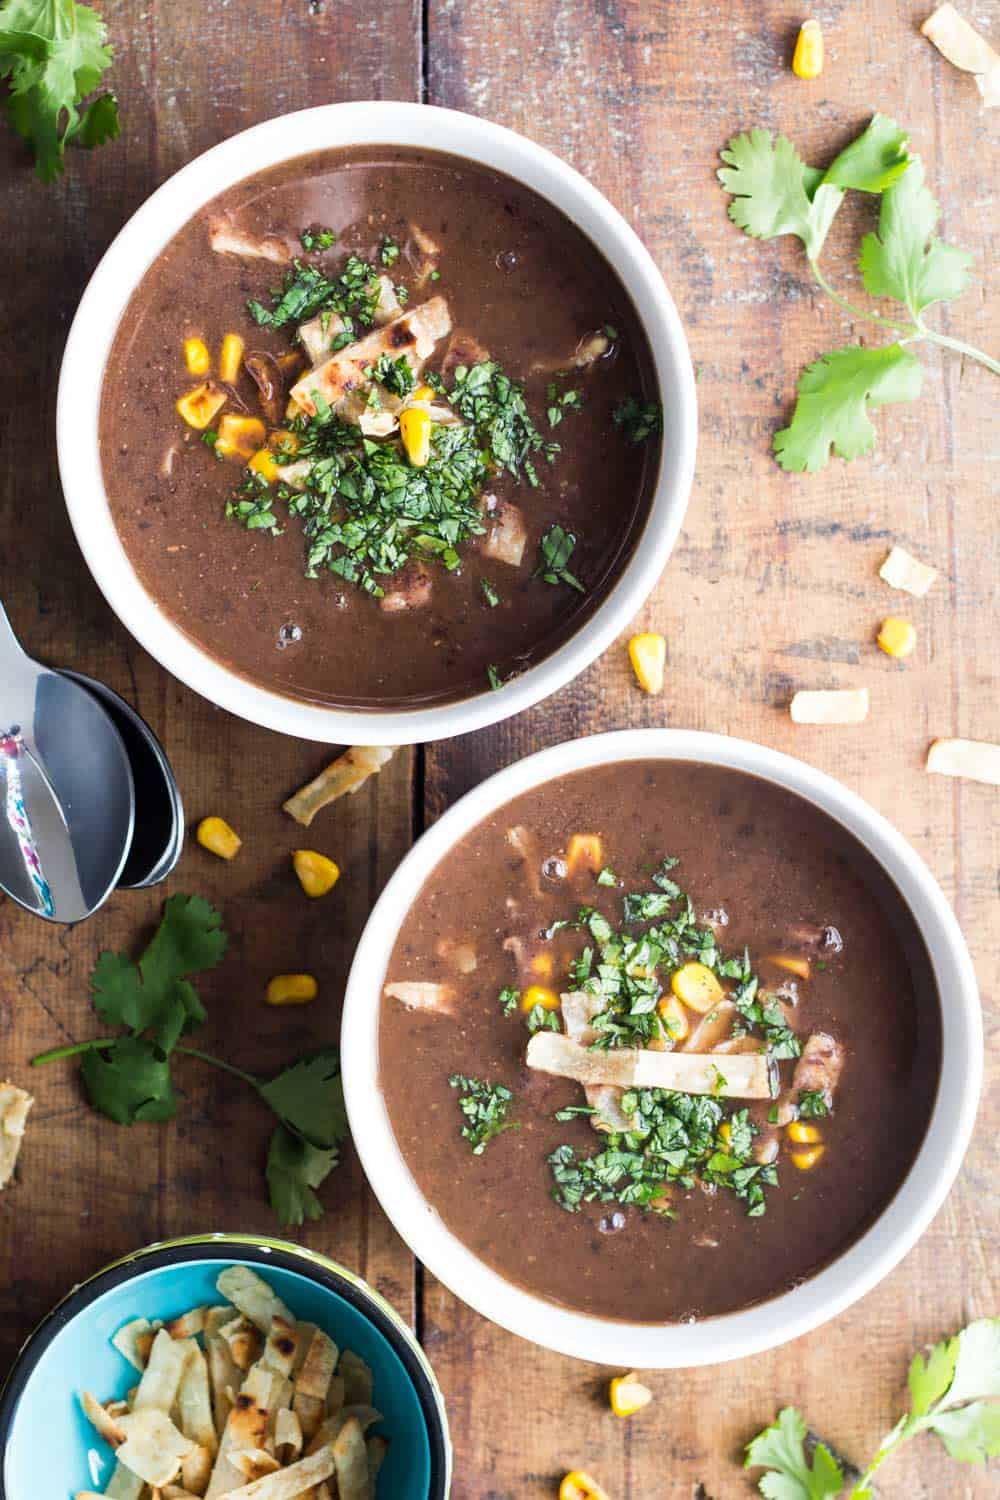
(54, 54)
(129, 1077)
(774, 193)
(953, 1394)
(484, 1108)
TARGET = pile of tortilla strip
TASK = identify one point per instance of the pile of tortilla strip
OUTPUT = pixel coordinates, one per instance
(263, 1407)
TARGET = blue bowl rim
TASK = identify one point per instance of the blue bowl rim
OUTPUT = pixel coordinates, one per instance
(257, 1250)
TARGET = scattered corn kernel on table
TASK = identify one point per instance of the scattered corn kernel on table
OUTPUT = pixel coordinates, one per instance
(640, 97)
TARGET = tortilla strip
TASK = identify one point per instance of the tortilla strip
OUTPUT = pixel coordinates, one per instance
(252, 1296)
(309, 1411)
(125, 1341)
(901, 570)
(344, 775)
(422, 994)
(102, 1420)
(366, 1416)
(153, 1447)
(964, 48)
(157, 1390)
(817, 1071)
(286, 1483)
(414, 333)
(194, 1402)
(188, 1324)
(377, 1447)
(246, 1427)
(243, 1341)
(288, 1434)
(318, 1366)
(281, 1347)
(830, 706)
(14, 1106)
(359, 1382)
(224, 1374)
(682, 1072)
(123, 1484)
(351, 1459)
(976, 760)
(254, 1463)
(578, 1010)
(225, 239)
(336, 1395)
(196, 1470)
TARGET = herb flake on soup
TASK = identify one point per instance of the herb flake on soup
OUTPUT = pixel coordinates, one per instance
(380, 427)
(656, 1085)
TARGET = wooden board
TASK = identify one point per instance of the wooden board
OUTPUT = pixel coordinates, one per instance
(773, 586)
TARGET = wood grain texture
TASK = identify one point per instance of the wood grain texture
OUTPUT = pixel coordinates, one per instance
(773, 586)
(187, 78)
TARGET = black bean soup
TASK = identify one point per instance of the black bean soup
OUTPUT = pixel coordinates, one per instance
(659, 1040)
(379, 427)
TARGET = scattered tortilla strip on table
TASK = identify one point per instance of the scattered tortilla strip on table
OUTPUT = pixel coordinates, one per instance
(14, 1106)
(830, 706)
(963, 46)
(745, 1077)
(153, 1446)
(342, 776)
(283, 1484)
(252, 1296)
(901, 570)
(975, 760)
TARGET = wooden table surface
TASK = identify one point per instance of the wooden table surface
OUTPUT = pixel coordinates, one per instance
(773, 586)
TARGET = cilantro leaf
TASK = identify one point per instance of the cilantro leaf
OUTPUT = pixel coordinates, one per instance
(977, 1365)
(308, 1099)
(484, 1106)
(294, 1169)
(833, 398)
(53, 54)
(556, 548)
(929, 1379)
(153, 996)
(971, 1434)
(129, 1080)
(874, 161)
(780, 1449)
(768, 180)
(903, 260)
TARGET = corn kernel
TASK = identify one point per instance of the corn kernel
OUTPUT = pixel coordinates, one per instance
(538, 994)
(807, 1159)
(316, 873)
(584, 852)
(807, 60)
(897, 637)
(648, 655)
(800, 967)
(199, 406)
(291, 989)
(674, 1018)
(578, 1485)
(197, 357)
(627, 1395)
(661, 1202)
(725, 1132)
(264, 463)
(542, 964)
(282, 438)
(215, 835)
(422, 393)
(230, 358)
(697, 986)
(415, 430)
(803, 1134)
(239, 437)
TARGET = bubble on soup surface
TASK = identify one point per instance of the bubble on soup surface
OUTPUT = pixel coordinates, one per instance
(554, 868)
(832, 940)
(717, 916)
(612, 1223)
(507, 261)
(287, 635)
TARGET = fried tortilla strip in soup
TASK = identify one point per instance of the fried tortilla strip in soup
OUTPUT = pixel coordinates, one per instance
(414, 334)
(746, 1077)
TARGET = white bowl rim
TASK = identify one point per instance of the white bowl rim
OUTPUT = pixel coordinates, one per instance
(385, 123)
(733, 1335)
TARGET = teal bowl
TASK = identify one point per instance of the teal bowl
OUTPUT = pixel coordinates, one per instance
(50, 1449)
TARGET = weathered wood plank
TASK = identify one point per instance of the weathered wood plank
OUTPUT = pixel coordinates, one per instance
(88, 1191)
(783, 572)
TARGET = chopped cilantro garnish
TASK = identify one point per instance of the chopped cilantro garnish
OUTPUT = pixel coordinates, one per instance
(541, 1019)
(495, 405)
(673, 1138)
(607, 876)
(638, 419)
(509, 999)
(395, 374)
(485, 1107)
(317, 238)
(813, 1105)
(305, 292)
(558, 404)
(489, 593)
(556, 548)
(389, 253)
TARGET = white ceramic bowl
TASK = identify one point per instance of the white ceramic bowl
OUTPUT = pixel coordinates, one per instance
(137, 246)
(733, 1335)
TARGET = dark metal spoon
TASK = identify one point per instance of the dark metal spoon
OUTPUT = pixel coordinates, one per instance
(158, 837)
(67, 800)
